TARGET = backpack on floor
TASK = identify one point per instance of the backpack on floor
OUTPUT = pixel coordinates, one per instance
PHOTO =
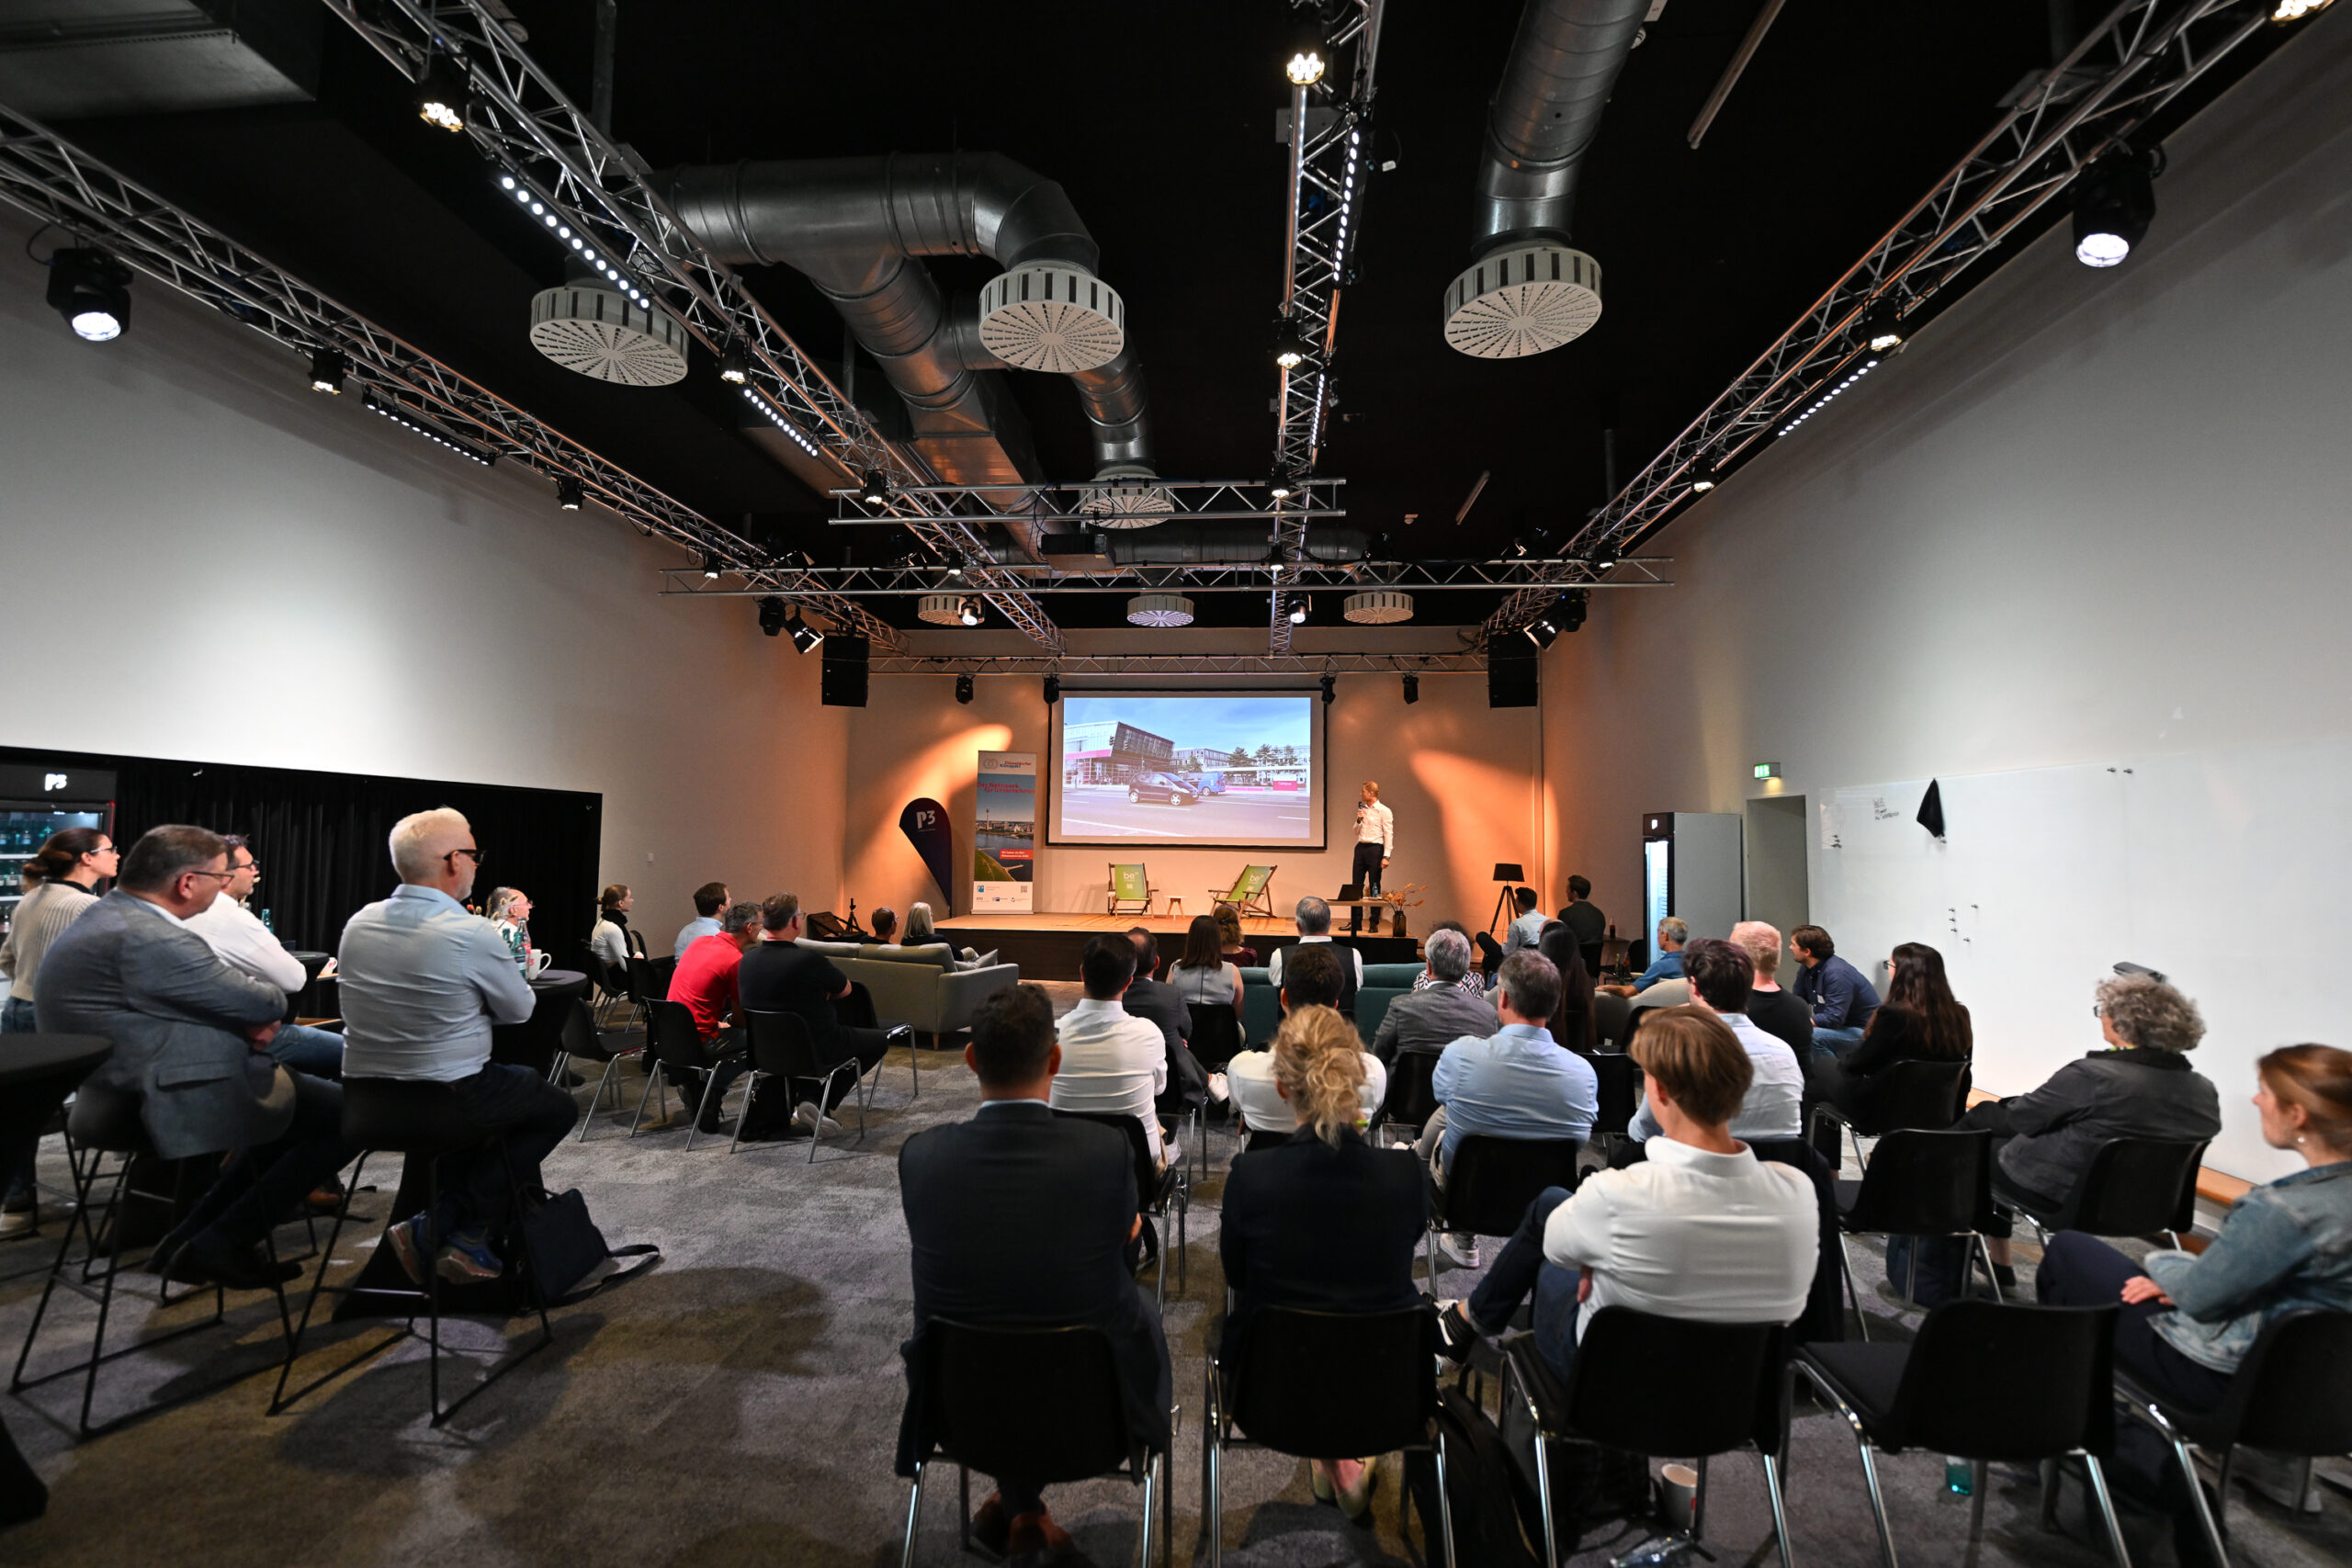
(1928, 1271)
(1592, 1484)
(1492, 1511)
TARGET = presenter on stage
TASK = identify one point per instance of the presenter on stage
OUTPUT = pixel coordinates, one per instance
(1375, 842)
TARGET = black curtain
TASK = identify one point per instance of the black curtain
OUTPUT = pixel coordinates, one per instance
(321, 836)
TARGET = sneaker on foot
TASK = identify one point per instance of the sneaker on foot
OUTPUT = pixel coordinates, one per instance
(1218, 1090)
(408, 1242)
(1462, 1249)
(16, 1222)
(468, 1257)
(806, 1115)
(1456, 1329)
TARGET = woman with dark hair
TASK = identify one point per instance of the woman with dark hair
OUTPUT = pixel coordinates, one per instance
(611, 940)
(1201, 974)
(1920, 1020)
(1574, 1024)
(72, 864)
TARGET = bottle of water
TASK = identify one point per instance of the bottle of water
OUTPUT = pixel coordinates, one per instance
(1960, 1475)
(267, 924)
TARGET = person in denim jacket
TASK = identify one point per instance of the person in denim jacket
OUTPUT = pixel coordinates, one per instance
(2188, 1319)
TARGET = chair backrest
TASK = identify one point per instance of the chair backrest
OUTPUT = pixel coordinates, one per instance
(1249, 886)
(1917, 1094)
(1619, 1087)
(1921, 1183)
(1130, 883)
(1668, 1386)
(2133, 1186)
(1264, 1138)
(1335, 1386)
(1131, 1128)
(1042, 1404)
(577, 1033)
(1217, 1033)
(780, 1044)
(671, 1034)
(647, 983)
(1489, 1182)
(1998, 1380)
(1612, 1017)
(1412, 1088)
(2294, 1391)
(1490, 953)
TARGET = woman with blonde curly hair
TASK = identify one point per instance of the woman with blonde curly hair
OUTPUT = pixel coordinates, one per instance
(1324, 1221)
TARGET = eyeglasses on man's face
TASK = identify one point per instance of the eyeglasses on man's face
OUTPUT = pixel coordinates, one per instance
(472, 854)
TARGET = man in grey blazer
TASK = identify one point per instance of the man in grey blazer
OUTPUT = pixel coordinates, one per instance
(1429, 1020)
(190, 1041)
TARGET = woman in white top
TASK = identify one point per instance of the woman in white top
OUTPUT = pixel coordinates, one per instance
(72, 864)
(1201, 975)
(609, 939)
(920, 930)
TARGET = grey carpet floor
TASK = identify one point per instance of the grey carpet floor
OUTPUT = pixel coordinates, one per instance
(737, 1404)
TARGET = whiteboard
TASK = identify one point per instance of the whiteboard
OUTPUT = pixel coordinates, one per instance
(2229, 870)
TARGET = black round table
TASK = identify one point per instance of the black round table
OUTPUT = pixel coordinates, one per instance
(32, 1059)
(534, 1042)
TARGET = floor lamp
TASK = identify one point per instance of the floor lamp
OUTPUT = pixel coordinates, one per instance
(1509, 875)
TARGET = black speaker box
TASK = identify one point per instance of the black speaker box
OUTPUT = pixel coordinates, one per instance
(844, 680)
(1510, 673)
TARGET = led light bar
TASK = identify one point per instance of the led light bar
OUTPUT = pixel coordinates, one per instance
(585, 245)
(400, 416)
(1864, 368)
(775, 416)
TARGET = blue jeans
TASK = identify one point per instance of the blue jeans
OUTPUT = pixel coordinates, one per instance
(1834, 1043)
(1522, 1269)
(302, 1048)
(17, 1017)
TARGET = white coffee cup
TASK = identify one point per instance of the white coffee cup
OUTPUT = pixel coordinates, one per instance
(541, 960)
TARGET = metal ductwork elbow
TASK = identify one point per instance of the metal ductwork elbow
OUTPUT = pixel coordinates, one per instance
(1527, 289)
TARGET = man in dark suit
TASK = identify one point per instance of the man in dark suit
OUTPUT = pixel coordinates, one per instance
(1022, 1216)
(1149, 996)
(190, 1041)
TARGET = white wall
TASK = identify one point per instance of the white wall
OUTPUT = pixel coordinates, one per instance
(2083, 515)
(204, 559)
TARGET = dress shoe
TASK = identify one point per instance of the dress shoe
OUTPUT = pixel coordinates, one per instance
(991, 1529)
(1037, 1535)
(204, 1262)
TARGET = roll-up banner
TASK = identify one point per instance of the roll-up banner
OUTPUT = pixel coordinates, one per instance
(1004, 832)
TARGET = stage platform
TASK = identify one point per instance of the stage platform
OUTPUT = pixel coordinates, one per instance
(1048, 946)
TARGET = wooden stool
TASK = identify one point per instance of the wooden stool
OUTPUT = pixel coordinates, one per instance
(1175, 905)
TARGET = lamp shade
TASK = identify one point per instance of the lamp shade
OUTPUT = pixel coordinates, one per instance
(1508, 871)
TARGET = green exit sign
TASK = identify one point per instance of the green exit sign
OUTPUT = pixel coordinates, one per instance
(1767, 769)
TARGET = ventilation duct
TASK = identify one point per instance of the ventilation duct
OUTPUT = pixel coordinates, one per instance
(1527, 289)
(854, 227)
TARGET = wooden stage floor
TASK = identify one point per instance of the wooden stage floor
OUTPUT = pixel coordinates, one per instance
(1048, 946)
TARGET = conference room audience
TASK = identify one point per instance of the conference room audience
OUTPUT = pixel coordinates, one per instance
(1702, 1230)
(1113, 1063)
(2141, 1088)
(190, 1035)
(1575, 1024)
(1920, 1020)
(1229, 936)
(1527, 922)
(1322, 1222)
(1720, 977)
(707, 983)
(777, 975)
(1314, 980)
(236, 933)
(1019, 1216)
(1673, 934)
(1438, 1010)
(1842, 998)
(610, 939)
(1313, 919)
(709, 899)
(1471, 982)
(1515, 1083)
(920, 929)
(1202, 974)
(72, 863)
(1771, 1006)
(1148, 997)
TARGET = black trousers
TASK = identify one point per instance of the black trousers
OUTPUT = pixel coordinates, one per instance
(1366, 875)
(265, 1185)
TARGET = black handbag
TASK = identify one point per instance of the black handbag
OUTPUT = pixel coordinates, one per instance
(568, 1251)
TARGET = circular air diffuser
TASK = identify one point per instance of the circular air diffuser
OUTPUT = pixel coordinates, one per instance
(1160, 610)
(940, 609)
(1381, 608)
(598, 334)
(1135, 498)
(1523, 301)
(1052, 317)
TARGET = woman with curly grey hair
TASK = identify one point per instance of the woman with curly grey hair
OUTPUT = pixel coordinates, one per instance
(2141, 1088)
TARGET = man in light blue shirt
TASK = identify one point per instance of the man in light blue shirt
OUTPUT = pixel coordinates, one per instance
(1720, 976)
(1673, 932)
(1528, 929)
(1516, 1083)
(709, 898)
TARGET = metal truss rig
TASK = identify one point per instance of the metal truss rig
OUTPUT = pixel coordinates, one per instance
(1093, 503)
(2124, 73)
(898, 582)
(522, 122)
(56, 182)
(1325, 224)
(1074, 665)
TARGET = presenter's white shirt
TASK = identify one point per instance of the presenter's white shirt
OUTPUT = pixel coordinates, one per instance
(1114, 1063)
(1375, 824)
(1249, 1078)
(1716, 1238)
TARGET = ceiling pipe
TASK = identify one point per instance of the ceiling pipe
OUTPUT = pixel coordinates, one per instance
(1525, 291)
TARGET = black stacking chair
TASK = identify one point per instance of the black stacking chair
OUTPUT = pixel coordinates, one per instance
(2132, 1187)
(1619, 1085)
(649, 980)
(1325, 1385)
(582, 1041)
(1924, 1095)
(1662, 1386)
(1217, 1033)
(676, 1045)
(2293, 1394)
(423, 1120)
(1489, 1182)
(1044, 1404)
(1921, 1184)
(610, 980)
(1160, 1192)
(781, 1049)
(107, 1121)
(1265, 1138)
(2055, 1395)
(1612, 1018)
(1412, 1093)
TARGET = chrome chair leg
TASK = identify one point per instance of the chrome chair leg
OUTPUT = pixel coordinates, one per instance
(914, 1507)
(1445, 1506)
(1845, 1262)
(1878, 1498)
(652, 1079)
(2107, 1508)
(1773, 1490)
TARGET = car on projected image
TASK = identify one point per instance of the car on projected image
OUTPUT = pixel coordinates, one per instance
(1165, 789)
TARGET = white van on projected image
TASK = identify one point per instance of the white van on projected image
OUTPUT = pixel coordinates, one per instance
(1227, 770)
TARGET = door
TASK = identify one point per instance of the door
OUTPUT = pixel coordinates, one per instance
(1778, 892)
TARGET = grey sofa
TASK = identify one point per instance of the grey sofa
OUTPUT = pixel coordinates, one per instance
(918, 986)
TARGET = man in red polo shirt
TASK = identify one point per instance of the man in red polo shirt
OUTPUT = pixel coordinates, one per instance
(705, 982)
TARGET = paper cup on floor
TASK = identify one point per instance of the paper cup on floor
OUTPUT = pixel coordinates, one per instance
(1678, 1496)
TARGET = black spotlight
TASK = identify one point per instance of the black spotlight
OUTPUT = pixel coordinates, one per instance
(570, 493)
(441, 97)
(734, 366)
(1573, 607)
(2114, 204)
(875, 491)
(1330, 687)
(774, 614)
(1053, 690)
(968, 610)
(1603, 556)
(1545, 628)
(1291, 347)
(962, 688)
(711, 565)
(804, 636)
(328, 367)
(1412, 690)
(1298, 612)
(92, 291)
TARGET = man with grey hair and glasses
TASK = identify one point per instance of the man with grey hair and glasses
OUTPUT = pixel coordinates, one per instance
(1314, 920)
(1429, 1018)
(424, 981)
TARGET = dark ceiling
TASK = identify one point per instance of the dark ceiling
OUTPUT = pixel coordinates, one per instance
(1159, 119)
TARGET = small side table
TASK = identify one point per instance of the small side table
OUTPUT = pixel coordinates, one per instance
(1175, 907)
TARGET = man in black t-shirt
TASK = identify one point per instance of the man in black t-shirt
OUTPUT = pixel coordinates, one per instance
(1770, 1008)
(779, 975)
